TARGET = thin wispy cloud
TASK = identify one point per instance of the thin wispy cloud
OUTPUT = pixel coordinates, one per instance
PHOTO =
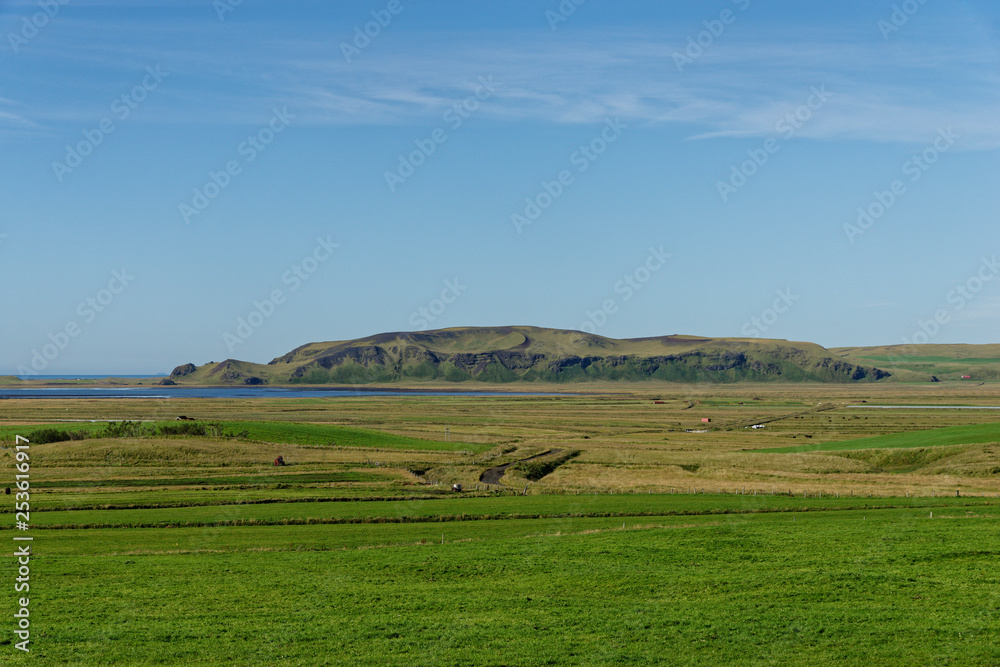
(738, 88)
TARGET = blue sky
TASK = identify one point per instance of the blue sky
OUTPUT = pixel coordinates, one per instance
(193, 181)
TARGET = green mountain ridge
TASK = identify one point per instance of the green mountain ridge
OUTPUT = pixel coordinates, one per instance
(533, 354)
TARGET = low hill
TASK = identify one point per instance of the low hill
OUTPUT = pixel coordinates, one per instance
(522, 353)
(929, 362)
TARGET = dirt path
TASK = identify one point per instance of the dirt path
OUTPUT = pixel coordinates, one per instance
(747, 423)
(493, 475)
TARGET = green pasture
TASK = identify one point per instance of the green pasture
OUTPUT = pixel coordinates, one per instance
(9, 432)
(450, 508)
(932, 359)
(317, 435)
(870, 587)
(188, 549)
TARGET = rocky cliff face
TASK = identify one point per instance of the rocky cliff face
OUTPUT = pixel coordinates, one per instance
(183, 370)
(376, 363)
(509, 354)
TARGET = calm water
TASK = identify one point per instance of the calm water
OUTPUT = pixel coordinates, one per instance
(238, 392)
(89, 377)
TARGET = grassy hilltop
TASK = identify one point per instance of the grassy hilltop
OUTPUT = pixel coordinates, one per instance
(926, 362)
(533, 354)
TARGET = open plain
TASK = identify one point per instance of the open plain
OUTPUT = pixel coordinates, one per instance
(836, 532)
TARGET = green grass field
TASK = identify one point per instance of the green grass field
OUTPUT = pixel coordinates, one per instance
(318, 435)
(444, 509)
(888, 586)
(166, 549)
(932, 359)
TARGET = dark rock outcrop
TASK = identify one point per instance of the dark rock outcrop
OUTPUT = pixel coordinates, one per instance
(181, 371)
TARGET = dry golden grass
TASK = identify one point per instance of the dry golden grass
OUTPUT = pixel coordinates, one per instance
(196, 452)
(629, 442)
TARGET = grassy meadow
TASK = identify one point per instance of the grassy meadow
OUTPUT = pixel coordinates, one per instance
(835, 534)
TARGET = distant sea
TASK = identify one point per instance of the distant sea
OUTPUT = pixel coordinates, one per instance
(87, 377)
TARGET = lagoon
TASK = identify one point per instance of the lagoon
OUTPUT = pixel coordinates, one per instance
(161, 393)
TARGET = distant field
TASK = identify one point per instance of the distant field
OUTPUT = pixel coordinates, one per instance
(328, 435)
(748, 403)
(954, 435)
(8, 432)
(341, 436)
(934, 360)
(919, 363)
(656, 544)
